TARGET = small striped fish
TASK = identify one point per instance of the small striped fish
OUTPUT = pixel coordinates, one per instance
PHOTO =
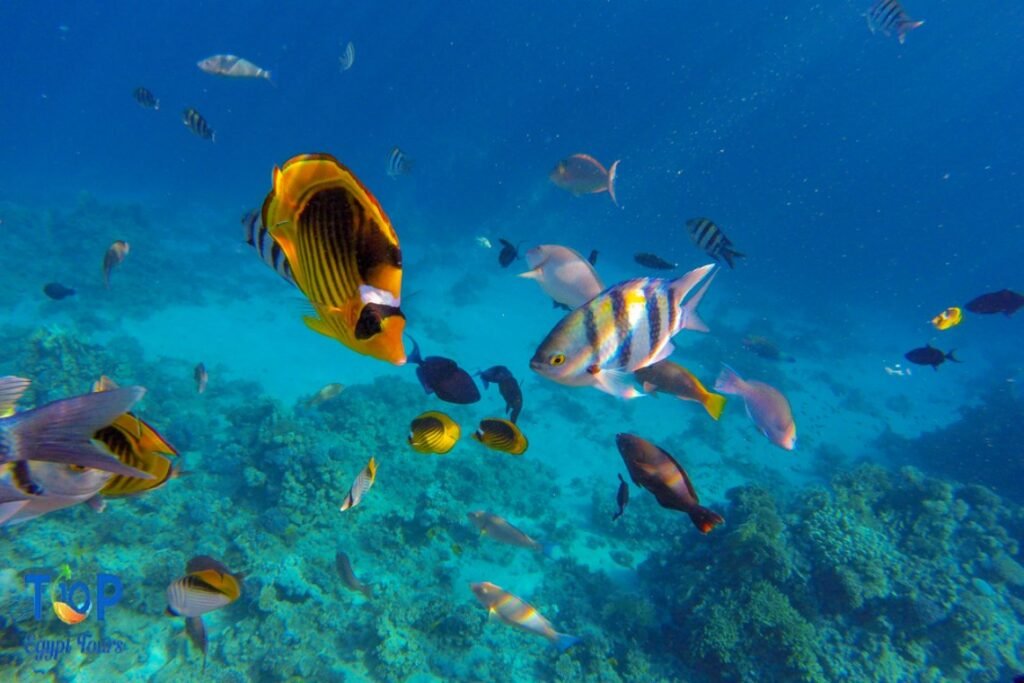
(398, 164)
(361, 485)
(258, 237)
(348, 57)
(195, 122)
(146, 99)
(709, 237)
(627, 327)
(887, 16)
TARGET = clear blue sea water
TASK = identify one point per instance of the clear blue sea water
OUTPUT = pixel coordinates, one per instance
(870, 185)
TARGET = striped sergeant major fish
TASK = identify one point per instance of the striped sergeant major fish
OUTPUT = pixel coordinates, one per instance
(195, 122)
(887, 16)
(709, 237)
(627, 327)
(258, 237)
(397, 163)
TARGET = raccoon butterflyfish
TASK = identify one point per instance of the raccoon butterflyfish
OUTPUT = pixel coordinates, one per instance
(951, 317)
(342, 252)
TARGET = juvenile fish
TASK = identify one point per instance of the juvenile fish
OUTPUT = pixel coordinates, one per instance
(654, 261)
(232, 66)
(341, 561)
(146, 99)
(766, 406)
(195, 122)
(113, 257)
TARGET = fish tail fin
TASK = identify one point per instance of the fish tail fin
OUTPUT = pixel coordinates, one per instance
(950, 356)
(62, 431)
(548, 549)
(730, 254)
(729, 381)
(679, 289)
(611, 181)
(563, 641)
(714, 404)
(617, 515)
(705, 520)
(414, 355)
(906, 27)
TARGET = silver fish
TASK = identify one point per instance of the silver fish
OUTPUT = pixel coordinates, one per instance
(564, 274)
(232, 66)
(887, 16)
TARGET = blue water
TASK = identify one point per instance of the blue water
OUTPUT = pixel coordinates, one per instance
(870, 185)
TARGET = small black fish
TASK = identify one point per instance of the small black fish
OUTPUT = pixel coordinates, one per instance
(622, 498)
(508, 254)
(1004, 301)
(146, 99)
(56, 290)
(654, 261)
(508, 387)
(929, 355)
(593, 257)
(444, 378)
(195, 122)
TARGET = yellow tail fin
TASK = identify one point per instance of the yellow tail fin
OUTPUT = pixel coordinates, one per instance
(714, 404)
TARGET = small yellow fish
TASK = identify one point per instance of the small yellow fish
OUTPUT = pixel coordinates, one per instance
(501, 435)
(951, 317)
(433, 432)
(360, 486)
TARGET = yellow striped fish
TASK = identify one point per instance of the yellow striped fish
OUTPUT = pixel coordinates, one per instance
(433, 432)
(625, 328)
(342, 253)
(519, 614)
(361, 485)
(501, 435)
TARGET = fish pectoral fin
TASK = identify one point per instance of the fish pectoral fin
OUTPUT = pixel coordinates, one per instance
(616, 383)
(97, 503)
(535, 274)
(8, 510)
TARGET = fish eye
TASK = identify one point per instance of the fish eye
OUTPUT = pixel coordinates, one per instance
(557, 359)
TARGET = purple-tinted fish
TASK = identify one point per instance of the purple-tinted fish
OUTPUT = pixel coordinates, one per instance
(766, 406)
(444, 378)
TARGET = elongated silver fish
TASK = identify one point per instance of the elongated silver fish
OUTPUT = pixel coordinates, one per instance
(627, 327)
(888, 16)
(232, 66)
(709, 237)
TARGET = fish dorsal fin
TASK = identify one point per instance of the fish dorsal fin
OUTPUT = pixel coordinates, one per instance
(11, 390)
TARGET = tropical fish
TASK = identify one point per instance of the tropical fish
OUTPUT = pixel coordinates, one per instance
(501, 435)
(145, 98)
(341, 252)
(563, 274)
(363, 481)
(57, 291)
(30, 488)
(592, 259)
(348, 57)
(508, 387)
(764, 347)
(270, 252)
(348, 576)
(655, 470)
(444, 378)
(114, 256)
(621, 498)
(709, 237)
(627, 327)
(672, 378)
(196, 630)
(433, 432)
(654, 261)
(232, 66)
(951, 317)
(583, 174)
(509, 253)
(501, 530)
(929, 355)
(886, 16)
(195, 122)
(397, 163)
(484, 242)
(766, 406)
(1004, 301)
(201, 377)
(325, 394)
(206, 586)
(519, 614)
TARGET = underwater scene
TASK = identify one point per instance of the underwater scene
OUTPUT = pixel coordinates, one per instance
(650, 341)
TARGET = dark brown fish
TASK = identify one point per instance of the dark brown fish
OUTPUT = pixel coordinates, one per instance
(929, 355)
(593, 257)
(654, 261)
(114, 256)
(621, 498)
(348, 576)
(509, 253)
(658, 472)
(1004, 301)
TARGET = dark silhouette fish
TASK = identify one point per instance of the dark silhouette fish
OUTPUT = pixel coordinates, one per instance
(654, 261)
(929, 355)
(1004, 301)
(196, 630)
(509, 253)
(444, 378)
(621, 498)
(341, 561)
(508, 387)
(593, 257)
(56, 290)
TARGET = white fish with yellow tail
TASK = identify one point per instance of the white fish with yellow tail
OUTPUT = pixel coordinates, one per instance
(232, 66)
(517, 613)
(360, 486)
(563, 274)
(627, 327)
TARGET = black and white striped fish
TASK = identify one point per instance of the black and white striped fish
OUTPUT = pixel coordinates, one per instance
(195, 122)
(397, 163)
(888, 16)
(348, 57)
(626, 327)
(146, 99)
(709, 237)
(259, 238)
